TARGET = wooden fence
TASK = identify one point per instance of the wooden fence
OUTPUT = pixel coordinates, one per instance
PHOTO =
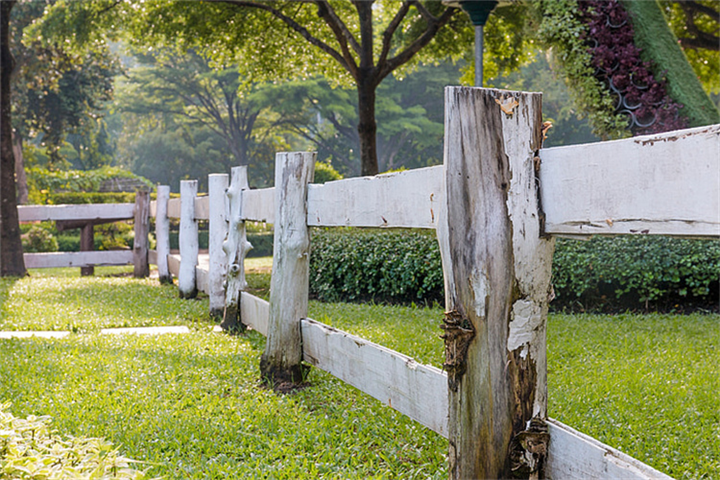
(496, 204)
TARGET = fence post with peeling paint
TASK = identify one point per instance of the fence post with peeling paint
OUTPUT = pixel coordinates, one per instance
(497, 268)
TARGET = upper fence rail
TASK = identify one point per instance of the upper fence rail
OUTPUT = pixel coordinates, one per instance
(667, 184)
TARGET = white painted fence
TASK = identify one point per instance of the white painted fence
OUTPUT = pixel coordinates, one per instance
(89, 214)
(661, 184)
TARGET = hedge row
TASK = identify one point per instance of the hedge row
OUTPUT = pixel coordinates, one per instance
(623, 272)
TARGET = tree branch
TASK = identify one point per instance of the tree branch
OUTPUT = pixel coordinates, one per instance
(364, 9)
(420, 42)
(293, 25)
(390, 31)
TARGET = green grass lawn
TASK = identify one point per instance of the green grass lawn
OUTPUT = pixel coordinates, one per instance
(191, 405)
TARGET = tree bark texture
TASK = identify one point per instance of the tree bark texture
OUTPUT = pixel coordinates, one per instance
(22, 186)
(289, 285)
(498, 269)
(235, 248)
(11, 252)
(367, 127)
(141, 266)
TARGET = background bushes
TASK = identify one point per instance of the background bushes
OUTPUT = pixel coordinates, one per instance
(621, 273)
(355, 265)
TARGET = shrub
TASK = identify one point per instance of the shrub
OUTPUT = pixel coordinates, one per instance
(352, 265)
(39, 239)
(74, 198)
(262, 244)
(29, 449)
(324, 172)
(617, 273)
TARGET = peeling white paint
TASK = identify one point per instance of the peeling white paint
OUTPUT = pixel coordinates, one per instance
(525, 319)
(479, 284)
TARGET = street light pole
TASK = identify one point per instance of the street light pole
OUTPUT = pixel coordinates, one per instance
(479, 11)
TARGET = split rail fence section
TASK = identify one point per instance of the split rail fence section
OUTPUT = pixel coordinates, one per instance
(496, 204)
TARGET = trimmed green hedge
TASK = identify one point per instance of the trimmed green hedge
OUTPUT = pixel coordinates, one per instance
(75, 198)
(618, 273)
(360, 265)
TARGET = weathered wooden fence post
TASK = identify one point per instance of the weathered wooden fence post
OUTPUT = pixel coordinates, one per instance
(87, 244)
(162, 233)
(218, 229)
(188, 239)
(499, 283)
(141, 267)
(235, 249)
(281, 361)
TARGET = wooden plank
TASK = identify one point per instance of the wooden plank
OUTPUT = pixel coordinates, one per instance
(666, 184)
(500, 277)
(202, 208)
(202, 279)
(173, 208)
(173, 261)
(235, 248)
(188, 240)
(78, 259)
(153, 208)
(141, 244)
(418, 391)
(281, 362)
(409, 199)
(162, 233)
(255, 312)
(93, 211)
(218, 230)
(153, 257)
(572, 454)
(259, 205)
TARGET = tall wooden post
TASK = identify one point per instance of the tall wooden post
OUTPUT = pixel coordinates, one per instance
(218, 229)
(162, 233)
(188, 240)
(235, 248)
(499, 282)
(87, 244)
(141, 267)
(289, 285)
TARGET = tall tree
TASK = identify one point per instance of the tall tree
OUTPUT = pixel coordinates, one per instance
(11, 253)
(355, 43)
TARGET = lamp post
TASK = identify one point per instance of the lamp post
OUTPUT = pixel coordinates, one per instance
(479, 11)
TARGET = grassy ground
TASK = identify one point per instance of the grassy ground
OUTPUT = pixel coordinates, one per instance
(191, 406)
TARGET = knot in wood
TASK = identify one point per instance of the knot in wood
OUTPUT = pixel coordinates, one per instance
(458, 333)
(528, 449)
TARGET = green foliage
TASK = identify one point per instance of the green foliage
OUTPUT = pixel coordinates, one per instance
(262, 244)
(74, 198)
(31, 450)
(324, 172)
(559, 27)
(349, 265)
(39, 239)
(635, 269)
(41, 181)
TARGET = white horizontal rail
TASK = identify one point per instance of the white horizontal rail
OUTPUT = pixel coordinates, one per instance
(78, 259)
(572, 454)
(259, 205)
(408, 199)
(418, 391)
(255, 312)
(667, 184)
(173, 210)
(94, 211)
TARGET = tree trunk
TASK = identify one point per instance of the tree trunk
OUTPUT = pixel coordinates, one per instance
(22, 186)
(11, 252)
(141, 265)
(87, 244)
(498, 268)
(367, 127)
